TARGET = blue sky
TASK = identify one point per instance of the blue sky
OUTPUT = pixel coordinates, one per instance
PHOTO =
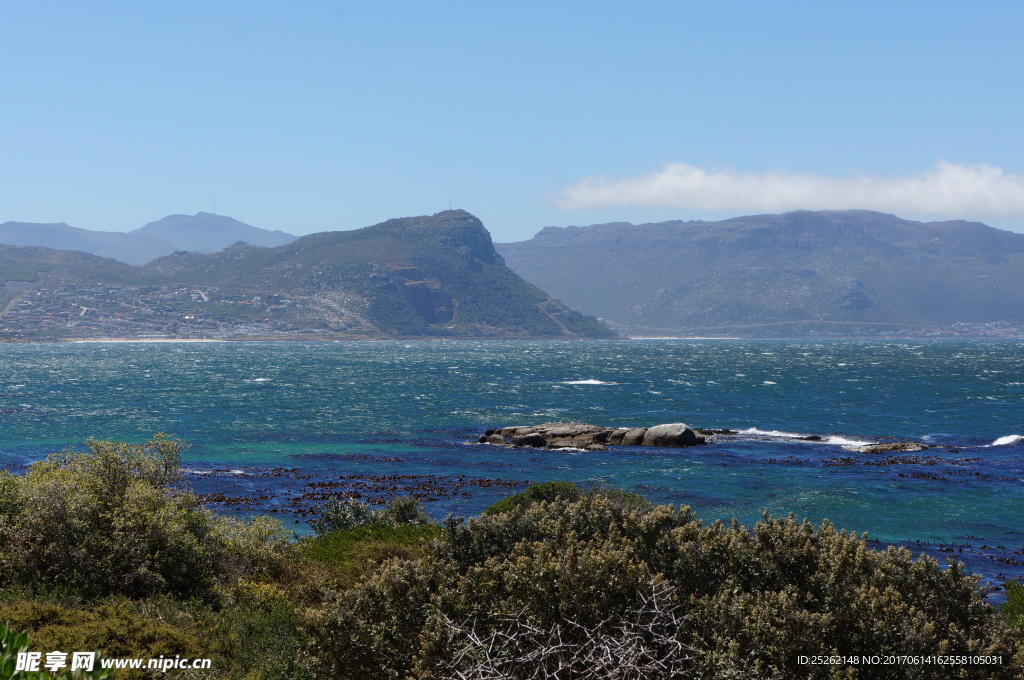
(316, 115)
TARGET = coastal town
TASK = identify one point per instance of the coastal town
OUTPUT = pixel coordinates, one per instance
(83, 312)
(157, 312)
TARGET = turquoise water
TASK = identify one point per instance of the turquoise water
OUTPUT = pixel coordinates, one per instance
(278, 427)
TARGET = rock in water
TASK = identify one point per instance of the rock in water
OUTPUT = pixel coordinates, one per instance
(634, 436)
(534, 439)
(671, 434)
(591, 437)
(895, 446)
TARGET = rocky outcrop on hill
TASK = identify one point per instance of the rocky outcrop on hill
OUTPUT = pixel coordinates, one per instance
(594, 437)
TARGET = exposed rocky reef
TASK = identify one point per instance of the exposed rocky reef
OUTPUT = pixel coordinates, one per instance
(895, 446)
(595, 437)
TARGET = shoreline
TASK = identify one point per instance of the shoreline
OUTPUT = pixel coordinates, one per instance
(146, 340)
(330, 339)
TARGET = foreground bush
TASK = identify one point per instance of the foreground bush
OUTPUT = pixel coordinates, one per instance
(351, 540)
(106, 521)
(600, 586)
(12, 644)
(350, 514)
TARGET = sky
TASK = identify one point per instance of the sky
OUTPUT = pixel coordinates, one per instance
(315, 115)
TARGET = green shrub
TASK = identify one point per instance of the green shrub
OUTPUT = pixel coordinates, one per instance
(344, 547)
(115, 627)
(555, 588)
(1013, 608)
(348, 556)
(349, 514)
(12, 643)
(256, 640)
(104, 521)
(547, 491)
(565, 491)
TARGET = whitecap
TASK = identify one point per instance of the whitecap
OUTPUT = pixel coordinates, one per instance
(769, 382)
(834, 440)
(261, 380)
(588, 381)
(837, 440)
(771, 433)
(1008, 439)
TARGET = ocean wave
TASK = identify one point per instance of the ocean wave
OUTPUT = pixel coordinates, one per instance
(1008, 439)
(771, 433)
(588, 381)
(833, 440)
(839, 440)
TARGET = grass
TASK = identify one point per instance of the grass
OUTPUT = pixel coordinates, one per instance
(352, 554)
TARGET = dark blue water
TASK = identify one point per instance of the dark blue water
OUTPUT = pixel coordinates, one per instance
(279, 427)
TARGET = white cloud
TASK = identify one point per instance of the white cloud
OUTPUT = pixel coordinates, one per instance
(948, 189)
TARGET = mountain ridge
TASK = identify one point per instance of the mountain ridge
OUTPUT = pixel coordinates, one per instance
(427, 276)
(207, 232)
(202, 232)
(797, 273)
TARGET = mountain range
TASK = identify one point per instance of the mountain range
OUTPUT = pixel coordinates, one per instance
(202, 232)
(429, 276)
(799, 273)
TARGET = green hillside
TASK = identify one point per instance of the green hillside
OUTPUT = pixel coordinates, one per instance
(431, 276)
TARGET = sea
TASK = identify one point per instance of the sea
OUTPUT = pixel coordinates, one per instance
(280, 428)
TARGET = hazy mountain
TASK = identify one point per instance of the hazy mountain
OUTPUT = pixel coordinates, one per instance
(431, 276)
(207, 233)
(790, 274)
(202, 232)
(134, 249)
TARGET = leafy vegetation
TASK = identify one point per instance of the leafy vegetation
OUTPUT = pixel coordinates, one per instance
(1014, 606)
(12, 644)
(554, 582)
(114, 625)
(349, 514)
(105, 522)
(547, 580)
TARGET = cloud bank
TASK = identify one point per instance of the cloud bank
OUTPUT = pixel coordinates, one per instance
(948, 189)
